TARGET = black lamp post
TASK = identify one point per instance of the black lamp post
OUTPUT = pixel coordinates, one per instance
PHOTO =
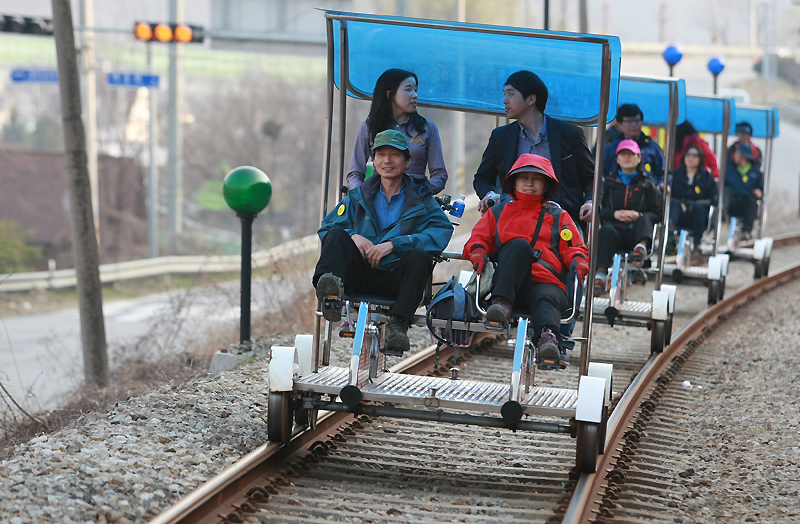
(247, 190)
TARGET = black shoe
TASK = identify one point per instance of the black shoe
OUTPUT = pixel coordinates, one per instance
(396, 337)
(638, 276)
(498, 313)
(548, 355)
(329, 293)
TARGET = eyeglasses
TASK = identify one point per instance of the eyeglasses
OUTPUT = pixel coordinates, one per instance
(692, 154)
(632, 121)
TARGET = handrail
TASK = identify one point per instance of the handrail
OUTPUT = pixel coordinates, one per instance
(151, 267)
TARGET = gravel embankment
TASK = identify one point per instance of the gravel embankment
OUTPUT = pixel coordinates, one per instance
(130, 463)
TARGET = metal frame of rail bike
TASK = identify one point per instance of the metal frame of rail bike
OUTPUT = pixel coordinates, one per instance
(761, 252)
(302, 380)
(657, 315)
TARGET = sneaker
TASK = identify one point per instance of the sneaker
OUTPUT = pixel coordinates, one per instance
(600, 280)
(499, 311)
(329, 293)
(396, 336)
(563, 358)
(638, 276)
(639, 254)
(548, 354)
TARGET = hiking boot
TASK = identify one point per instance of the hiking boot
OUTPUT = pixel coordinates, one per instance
(548, 354)
(499, 311)
(396, 336)
(600, 280)
(639, 255)
(329, 293)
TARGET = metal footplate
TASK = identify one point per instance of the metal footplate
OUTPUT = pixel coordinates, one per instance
(442, 392)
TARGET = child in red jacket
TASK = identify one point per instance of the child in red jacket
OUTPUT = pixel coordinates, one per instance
(534, 243)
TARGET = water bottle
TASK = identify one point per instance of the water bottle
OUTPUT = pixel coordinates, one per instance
(457, 209)
(370, 169)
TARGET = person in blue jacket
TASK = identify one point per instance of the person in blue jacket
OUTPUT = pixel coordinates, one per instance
(630, 118)
(694, 190)
(381, 239)
(744, 186)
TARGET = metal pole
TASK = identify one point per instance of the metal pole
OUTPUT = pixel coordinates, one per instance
(583, 17)
(723, 165)
(546, 15)
(175, 164)
(247, 241)
(152, 175)
(605, 88)
(456, 172)
(669, 151)
(344, 83)
(89, 82)
(715, 84)
(85, 251)
(670, 69)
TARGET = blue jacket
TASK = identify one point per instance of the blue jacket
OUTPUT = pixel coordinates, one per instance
(703, 187)
(743, 185)
(422, 224)
(652, 158)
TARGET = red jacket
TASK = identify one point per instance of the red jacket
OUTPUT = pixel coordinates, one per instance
(708, 153)
(559, 239)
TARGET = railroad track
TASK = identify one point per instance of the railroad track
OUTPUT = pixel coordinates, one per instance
(396, 470)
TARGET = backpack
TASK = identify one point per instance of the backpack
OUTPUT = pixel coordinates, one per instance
(451, 303)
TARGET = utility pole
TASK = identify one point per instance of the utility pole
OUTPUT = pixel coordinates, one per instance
(583, 17)
(89, 82)
(85, 251)
(152, 178)
(175, 163)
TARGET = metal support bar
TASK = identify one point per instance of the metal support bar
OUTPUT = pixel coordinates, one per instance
(440, 416)
(723, 165)
(247, 242)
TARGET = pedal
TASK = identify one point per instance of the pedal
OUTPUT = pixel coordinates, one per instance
(332, 308)
(547, 364)
(391, 352)
(494, 325)
(638, 276)
(346, 333)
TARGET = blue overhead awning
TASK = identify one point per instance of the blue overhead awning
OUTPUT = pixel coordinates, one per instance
(707, 113)
(464, 66)
(651, 94)
(763, 119)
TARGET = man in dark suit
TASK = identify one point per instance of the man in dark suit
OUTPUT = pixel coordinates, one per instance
(525, 99)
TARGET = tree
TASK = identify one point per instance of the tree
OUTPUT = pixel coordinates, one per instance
(15, 131)
(15, 253)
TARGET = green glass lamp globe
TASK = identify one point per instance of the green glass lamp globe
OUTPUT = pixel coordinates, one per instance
(247, 190)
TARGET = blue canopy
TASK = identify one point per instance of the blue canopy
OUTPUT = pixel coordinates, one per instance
(464, 66)
(763, 119)
(651, 94)
(707, 113)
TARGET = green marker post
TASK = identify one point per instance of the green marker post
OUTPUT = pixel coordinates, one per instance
(247, 190)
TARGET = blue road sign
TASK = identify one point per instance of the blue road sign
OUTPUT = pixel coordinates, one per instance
(133, 80)
(38, 76)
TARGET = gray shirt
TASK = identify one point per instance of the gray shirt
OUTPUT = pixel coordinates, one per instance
(426, 151)
(540, 146)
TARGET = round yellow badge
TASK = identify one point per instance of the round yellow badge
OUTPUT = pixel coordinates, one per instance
(697, 189)
(745, 179)
(340, 211)
(647, 168)
(566, 235)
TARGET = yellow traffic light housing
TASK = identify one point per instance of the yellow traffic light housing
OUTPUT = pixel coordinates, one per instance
(179, 33)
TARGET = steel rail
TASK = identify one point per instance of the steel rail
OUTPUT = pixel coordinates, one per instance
(585, 505)
(226, 490)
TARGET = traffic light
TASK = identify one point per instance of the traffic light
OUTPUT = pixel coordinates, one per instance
(185, 34)
(26, 25)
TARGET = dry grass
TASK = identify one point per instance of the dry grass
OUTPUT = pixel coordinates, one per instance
(166, 355)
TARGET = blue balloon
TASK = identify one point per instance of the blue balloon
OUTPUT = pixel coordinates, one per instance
(716, 65)
(672, 55)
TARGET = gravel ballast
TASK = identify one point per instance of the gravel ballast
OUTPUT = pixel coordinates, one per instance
(134, 461)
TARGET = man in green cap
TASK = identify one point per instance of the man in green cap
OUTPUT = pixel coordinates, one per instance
(381, 239)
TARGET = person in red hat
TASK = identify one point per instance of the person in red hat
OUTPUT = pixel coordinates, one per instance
(534, 243)
(631, 205)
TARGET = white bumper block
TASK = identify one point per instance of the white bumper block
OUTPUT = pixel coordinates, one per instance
(282, 368)
(304, 344)
(604, 371)
(591, 393)
(660, 309)
(672, 290)
(715, 267)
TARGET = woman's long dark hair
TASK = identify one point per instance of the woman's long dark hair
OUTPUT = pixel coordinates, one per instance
(381, 116)
(701, 166)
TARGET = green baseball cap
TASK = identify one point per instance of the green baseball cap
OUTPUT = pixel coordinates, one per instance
(391, 137)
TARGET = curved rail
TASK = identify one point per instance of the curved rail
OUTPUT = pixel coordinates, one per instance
(588, 501)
